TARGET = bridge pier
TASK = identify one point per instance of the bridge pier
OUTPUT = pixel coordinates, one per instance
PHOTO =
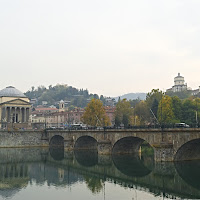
(104, 160)
(69, 144)
(163, 152)
(104, 147)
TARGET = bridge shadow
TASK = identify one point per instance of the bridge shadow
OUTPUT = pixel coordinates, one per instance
(86, 158)
(189, 172)
(85, 143)
(133, 165)
(57, 153)
(189, 151)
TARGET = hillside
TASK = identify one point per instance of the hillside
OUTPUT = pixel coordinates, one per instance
(132, 96)
(53, 94)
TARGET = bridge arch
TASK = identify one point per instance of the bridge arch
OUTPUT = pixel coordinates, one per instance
(57, 141)
(188, 151)
(127, 145)
(85, 142)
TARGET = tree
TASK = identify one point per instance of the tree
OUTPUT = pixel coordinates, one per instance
(165, 110)
(151, 96)
(117, 120)
(189, 111)
(95, 114)
(94, 184)
(142, 113)
(154, 107)
(197, 105)
(177, 108)
(182, 94)
(134, 102)
(123, 112)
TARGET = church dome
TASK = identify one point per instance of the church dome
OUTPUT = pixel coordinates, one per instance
(11, 91)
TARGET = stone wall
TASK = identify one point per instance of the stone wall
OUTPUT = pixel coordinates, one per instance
(22, 139)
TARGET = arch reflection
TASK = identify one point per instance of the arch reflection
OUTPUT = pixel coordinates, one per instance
(57, 153)
(132, 165)
(189, 172)
(87, 158)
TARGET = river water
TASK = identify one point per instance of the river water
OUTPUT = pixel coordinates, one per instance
(54, 174)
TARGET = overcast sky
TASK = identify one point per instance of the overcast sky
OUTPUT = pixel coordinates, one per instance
(110, 47)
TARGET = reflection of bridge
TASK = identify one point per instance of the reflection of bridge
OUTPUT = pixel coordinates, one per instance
(70, 167)
(168, 144)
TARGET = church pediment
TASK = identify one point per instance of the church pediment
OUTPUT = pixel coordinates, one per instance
(17, 102)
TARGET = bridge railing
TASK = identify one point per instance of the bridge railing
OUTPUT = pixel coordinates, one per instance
(155, 126)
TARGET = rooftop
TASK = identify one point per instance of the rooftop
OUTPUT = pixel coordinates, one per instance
(11, 91)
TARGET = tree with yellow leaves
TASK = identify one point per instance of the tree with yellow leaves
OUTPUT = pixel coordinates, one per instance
(165, 110)
(95, 114)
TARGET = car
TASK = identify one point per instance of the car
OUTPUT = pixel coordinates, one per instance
(182, 125)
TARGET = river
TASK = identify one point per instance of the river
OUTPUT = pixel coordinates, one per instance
(40, 173)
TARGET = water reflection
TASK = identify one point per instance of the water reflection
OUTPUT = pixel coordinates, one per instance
(189, 172)
(57, 153)
(94, 184)
(86, 158)
(54, 167)
(132, 165)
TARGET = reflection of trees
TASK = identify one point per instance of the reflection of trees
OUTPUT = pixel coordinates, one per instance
(94, 184)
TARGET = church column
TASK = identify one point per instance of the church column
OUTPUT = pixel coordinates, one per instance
(5, 114)
(25, 115)
(8, 114)
(15, 120)
(28, 112)
(11, 115)
(20, 115)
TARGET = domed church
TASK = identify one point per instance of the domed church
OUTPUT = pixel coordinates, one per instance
(14, 108)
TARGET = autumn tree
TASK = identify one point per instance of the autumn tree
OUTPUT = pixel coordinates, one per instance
(165, 110)
(95, 114)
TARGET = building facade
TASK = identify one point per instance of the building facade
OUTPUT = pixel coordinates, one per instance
(179, 84)
(64, 118)
(14, 109)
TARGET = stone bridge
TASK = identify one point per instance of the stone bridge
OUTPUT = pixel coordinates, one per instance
(168, 144)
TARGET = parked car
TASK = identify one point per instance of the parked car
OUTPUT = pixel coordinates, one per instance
(182, 125)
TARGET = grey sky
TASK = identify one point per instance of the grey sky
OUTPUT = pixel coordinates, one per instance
(111, 47)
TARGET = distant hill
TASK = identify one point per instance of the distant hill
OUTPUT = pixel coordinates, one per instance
(53, 94)
(131, 96)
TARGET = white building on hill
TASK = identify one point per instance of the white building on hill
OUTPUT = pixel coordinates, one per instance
(179, 84)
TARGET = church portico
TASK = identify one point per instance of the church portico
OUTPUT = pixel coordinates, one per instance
(14, 109)
(15, 114)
